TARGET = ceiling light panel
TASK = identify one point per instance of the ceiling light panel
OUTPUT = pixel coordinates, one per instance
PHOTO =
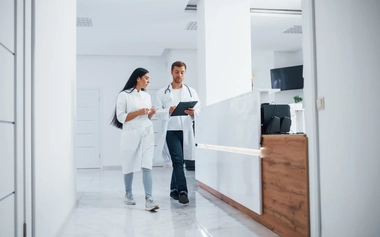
(84, 22)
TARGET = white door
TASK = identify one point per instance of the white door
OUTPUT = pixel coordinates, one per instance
(87, 152)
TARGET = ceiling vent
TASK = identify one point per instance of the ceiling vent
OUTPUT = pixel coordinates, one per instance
(84, 22)
(190, 7)
(296, 29)
(192, 25)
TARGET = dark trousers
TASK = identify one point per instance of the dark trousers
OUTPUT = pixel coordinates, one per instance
(174, 139)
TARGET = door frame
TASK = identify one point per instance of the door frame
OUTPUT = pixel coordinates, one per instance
(311, 114)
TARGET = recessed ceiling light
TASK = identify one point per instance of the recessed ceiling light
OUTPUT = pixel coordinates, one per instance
(84, 22)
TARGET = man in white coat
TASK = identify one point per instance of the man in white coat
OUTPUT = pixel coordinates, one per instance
(177, 139)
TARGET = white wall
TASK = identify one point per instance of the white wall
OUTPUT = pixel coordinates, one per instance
(262, 63)
(54, 114)
(110, 74)
(347, 77)
(287, 59)
(8, 121)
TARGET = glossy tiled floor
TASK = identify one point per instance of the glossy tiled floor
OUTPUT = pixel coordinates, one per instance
(101, 211)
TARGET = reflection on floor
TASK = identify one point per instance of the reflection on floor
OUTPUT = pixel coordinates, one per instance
(101, 211)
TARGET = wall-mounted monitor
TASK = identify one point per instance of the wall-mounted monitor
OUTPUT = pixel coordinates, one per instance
(287, 78)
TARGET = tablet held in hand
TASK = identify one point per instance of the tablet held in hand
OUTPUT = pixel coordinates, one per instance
(182, 106)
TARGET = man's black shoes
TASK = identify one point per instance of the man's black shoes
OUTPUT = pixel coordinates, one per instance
(183, 198)
(174, 194)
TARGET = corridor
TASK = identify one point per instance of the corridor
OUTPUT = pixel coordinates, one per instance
(101, 212)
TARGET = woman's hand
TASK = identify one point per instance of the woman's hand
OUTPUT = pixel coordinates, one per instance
(152, 111)
(135, 114)
(143, 111)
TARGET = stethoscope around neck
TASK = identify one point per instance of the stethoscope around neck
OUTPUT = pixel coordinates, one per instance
(168, 90)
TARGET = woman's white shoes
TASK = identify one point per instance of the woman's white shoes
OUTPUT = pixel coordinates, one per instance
(150, 205)
(128, 199)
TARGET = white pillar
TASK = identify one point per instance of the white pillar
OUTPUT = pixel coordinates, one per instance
(53, 109)
(224, 49)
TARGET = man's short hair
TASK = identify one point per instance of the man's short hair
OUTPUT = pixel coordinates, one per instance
(178, 64)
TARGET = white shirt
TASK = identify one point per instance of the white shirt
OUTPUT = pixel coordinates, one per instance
(175, 122)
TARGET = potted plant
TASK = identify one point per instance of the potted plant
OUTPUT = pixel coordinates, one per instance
(297, 101)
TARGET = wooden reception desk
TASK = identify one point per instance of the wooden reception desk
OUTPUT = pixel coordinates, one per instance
(285, 186)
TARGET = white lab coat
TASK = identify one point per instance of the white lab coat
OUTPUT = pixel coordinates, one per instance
(137, 137)
(165, 100)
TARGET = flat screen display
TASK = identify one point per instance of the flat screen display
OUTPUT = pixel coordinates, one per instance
(287, 78)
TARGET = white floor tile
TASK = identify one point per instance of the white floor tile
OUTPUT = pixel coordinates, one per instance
(101, 211)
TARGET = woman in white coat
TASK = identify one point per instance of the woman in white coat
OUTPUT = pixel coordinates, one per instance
(132, 114)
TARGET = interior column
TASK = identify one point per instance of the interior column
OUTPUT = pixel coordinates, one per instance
(224, 49)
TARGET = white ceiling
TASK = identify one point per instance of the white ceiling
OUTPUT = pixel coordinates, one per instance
(148, 27)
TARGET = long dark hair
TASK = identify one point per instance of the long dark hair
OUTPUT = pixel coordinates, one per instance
(131, 84)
